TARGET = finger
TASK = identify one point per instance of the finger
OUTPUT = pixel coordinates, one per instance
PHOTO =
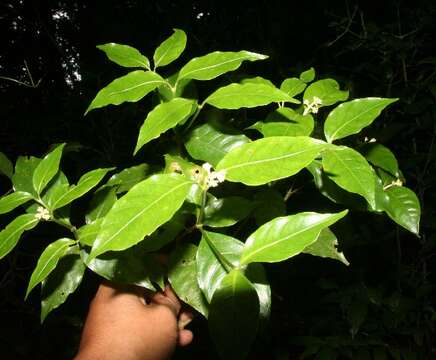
(185, 337)
(185, 317)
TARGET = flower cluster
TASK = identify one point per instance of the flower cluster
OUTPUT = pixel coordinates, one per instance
(213, 177)
(312, 107)
(42, 213)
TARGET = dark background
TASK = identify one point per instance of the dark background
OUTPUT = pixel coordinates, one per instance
(50, 70)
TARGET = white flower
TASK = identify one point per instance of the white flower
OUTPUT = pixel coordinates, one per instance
(213, 177)
(312, 107)
(42, 213)
(397, 182)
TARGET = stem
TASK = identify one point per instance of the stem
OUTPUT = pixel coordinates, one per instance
(194, 117)
(201, 212)
(227, 265)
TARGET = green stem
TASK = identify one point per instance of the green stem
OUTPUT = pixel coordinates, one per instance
(201, 211)
(194, 117)
(228, 266)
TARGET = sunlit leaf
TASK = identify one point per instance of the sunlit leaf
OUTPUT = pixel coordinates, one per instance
(23, 175)
(46, 169)
(308, 75)
(226, 211)
(233, 316)
(326, 246)
(350, 170)
(382, 157)
(284, 237)
(212, 65)
(293, 86)
(142, 210)
(13, 200)
(125, 55)
(162, 118)
(236, 96)
(131, 87)
(48, 261)
(10, 235)
(268, 159)
(170, 49)
(183, 277)
(327, 90)
(350, 117)
(126, 178)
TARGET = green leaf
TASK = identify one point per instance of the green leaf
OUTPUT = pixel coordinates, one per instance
(56, 188)
(126, 178)
(48, 261)
(308, 75)
(87, 234)
(268, 159)
(125, 55)
(382, 157)
(133, 266)
(233, 316)
(327, 90)
(210, 271)
(6, 167)
(162, 118)
(170, 49)
(61, 283)
(269, 205)
(210, 144)
(10, 235)
(350, 117)
(236, 96)
(212, 65)
(86, 183)
(257, 80)
(325, 246)
(131, 87)
(286, 236)
(11, 201)
(226, 211)
(285, 122)
(46, 169)
(293, 86)
(183, 277)
(402, 206)
(142, 210)
(350, 170)
(101, 202)
(23, 175)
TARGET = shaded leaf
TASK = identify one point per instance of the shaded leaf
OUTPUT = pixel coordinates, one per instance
(126, 178)
(233, 316)
(285, 122)
(183, 277)
(61, 283)
(269, 205)
(350, 170)
(162, 118)
(13, 200)
(382, 157)
(142, 210)
(131, 87)
(226, 211)
(208, 143)
(47, 168)
(6, 167)
(403, 207)
(236, 96)
(327, 90)
(212, 65)
(133, 266)
(101, 202)
(125, 55)
(170, 49)
(87, 234)
(293, 86)
(10, 235)
(86, 183)
(269, 159)
(286, 236)
(326, 246)
(48, 261)
(350, 117)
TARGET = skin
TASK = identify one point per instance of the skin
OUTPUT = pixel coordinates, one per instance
(131, 323)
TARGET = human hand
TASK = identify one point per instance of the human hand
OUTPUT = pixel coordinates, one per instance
(132, 323)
